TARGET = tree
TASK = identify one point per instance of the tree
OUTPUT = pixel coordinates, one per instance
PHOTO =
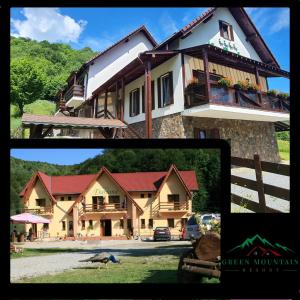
(26, 83)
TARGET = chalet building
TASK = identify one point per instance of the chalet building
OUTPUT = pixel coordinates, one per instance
(110, 204)
(208, 80)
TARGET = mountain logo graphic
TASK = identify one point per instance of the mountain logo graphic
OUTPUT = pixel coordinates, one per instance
(260, 247)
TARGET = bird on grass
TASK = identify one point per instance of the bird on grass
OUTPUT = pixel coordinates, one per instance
(103, 257)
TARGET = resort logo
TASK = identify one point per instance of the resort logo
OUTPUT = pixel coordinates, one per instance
(257, 254)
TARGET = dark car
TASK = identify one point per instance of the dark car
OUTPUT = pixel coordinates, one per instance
(162, 233)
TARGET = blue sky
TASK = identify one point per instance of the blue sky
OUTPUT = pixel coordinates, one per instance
(98, 28)
(56, 156)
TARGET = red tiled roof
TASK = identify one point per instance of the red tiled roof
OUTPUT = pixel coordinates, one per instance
(139, 181)
(150, 181)
(74, 184)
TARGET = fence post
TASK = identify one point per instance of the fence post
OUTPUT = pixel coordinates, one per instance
(260, 184)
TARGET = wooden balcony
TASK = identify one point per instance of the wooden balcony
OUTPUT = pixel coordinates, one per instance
(237, 98)
(74, 96)
(104, 208)
(173, 207)
(74, 91)
(39, 211)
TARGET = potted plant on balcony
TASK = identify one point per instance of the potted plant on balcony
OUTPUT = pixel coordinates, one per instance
(252, 87)
(241, 85)
(193, 92)
(225, 82)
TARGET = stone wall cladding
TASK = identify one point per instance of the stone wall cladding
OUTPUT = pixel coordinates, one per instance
(164, 127)
(245, 137)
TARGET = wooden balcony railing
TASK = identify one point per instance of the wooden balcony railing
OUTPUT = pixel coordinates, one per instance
(103, 207)
(39, 211)
(173, 206)
(239, 98)
(74, 91)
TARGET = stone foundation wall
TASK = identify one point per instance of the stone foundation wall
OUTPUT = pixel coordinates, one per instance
(245, 137)
(164, 127)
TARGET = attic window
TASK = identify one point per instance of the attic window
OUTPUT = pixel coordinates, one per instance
(226, 31)
(40, 202)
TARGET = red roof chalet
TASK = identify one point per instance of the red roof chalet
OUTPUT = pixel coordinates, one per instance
(130, 182)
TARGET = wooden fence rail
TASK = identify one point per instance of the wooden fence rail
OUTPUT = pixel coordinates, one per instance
(258, 185)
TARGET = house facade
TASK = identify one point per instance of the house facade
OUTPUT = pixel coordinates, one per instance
(110, 204)
(208, 80)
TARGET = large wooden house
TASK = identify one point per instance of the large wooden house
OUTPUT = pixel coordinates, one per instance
(110, 204)
(208, 80)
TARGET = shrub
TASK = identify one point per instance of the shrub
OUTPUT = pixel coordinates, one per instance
(225, 82)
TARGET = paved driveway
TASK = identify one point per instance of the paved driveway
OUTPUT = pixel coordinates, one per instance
(269, 178)
(50, 264)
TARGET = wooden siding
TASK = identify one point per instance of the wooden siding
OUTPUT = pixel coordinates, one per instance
(193, 63)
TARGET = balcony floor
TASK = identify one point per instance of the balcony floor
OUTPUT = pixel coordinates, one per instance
(236, 113)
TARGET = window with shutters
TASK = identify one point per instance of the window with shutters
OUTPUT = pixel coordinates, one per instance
(152, 97)
(134, 103)
(165, 90)
(226, 31)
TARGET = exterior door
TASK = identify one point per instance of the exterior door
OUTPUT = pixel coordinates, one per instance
(105, 227)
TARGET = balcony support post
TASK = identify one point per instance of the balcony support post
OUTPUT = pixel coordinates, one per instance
(122, 100)
(105, 104)
(148, 99)
(134, 220)
(75, 221)
(206, 74)
(257, 79)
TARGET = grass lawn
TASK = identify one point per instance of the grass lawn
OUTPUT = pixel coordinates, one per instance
(284, 149)
(41, 252)
(149, 269)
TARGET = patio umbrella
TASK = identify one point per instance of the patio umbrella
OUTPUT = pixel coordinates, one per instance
(28, 219)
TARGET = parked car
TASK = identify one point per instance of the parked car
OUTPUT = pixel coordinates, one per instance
(192, 230)
(162, 233)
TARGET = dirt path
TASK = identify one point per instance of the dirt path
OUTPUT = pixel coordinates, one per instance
(50, 264)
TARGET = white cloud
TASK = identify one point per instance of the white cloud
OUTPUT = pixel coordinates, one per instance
(97, 44)
(47, 24)
(269, 20)
(282, 21)
(168, 25)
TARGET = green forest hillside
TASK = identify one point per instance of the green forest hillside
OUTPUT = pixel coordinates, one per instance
(206, 163)
(38, 71)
